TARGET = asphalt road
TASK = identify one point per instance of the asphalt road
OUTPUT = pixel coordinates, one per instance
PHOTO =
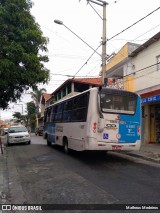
(39, 174)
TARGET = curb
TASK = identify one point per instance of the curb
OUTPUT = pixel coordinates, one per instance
(3, 176)
(139, 156)
(143, 157)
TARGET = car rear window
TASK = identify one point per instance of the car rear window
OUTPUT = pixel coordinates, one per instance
(17, 129)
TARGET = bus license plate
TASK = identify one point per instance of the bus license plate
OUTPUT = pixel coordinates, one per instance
(116, 147)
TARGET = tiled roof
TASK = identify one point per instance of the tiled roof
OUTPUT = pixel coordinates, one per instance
(95, 81)
(46, 96)
(92, 81)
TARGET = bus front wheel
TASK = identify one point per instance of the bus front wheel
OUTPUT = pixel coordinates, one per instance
(48, 142)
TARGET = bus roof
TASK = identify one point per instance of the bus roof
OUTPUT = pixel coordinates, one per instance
(101, 89)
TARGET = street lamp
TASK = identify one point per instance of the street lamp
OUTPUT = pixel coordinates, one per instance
(58, 22)
(61, 23)
(103, 55)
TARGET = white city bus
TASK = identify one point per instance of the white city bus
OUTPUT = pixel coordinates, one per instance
(97, 119)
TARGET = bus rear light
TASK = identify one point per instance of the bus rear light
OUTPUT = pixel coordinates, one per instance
(139, 129)
(94, 126)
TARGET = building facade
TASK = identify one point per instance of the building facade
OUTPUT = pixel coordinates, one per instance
(72, 87)
(140, 70)
(146, 61)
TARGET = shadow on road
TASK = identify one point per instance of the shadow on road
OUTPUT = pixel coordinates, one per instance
(91, 157)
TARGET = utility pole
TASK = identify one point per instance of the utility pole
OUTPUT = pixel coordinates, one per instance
(104, 40)
(104, 44)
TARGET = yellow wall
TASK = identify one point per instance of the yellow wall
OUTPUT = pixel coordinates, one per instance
(129, 83)
(120, 56)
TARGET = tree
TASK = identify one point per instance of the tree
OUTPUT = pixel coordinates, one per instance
(31, 110)
(29, 119)
(23, 119)
(36, 95)
(17, 116)
(22, 51)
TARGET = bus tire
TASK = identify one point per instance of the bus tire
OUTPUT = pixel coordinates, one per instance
(48, 142)
(45, 136)
(65, 145)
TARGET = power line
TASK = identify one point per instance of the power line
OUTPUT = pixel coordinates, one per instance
(142, 69)
(61, 23)
(147, 32)
(109, 40)
(62, 75)
(92, 69)
(95, 10)
(134, 24)
(119, 34)
(86, 61)
(127, 40)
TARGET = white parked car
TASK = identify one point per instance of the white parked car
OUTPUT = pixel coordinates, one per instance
(18, 134)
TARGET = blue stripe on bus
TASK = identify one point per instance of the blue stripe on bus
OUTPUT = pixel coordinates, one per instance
(129, 131)
(51, 132)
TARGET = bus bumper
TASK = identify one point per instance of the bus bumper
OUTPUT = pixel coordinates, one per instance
(93, 144)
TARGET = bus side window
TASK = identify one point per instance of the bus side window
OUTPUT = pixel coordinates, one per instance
(80, 108)
(58, 112)
(67, 112)
(48, 114)
(52, 114)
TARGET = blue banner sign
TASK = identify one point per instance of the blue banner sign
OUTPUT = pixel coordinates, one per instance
(150, 99)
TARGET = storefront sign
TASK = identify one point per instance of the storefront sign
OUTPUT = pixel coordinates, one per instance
(150, 99)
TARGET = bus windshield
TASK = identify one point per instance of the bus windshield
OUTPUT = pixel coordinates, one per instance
(118, 102)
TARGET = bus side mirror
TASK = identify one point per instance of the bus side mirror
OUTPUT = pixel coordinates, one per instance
(101, 124)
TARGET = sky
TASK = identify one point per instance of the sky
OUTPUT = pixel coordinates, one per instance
(68, 55)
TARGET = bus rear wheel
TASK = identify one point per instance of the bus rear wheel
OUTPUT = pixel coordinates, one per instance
(66, 149)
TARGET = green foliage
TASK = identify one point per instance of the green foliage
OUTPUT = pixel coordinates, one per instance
(23, 119)
(30, 118)
(17, 116)
(31, 109)
(22, 51)
(36, 95)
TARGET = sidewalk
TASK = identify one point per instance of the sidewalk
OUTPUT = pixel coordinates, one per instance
(149, 152)
(3, 174)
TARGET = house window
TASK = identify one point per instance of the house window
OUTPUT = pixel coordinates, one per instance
(158, 62)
